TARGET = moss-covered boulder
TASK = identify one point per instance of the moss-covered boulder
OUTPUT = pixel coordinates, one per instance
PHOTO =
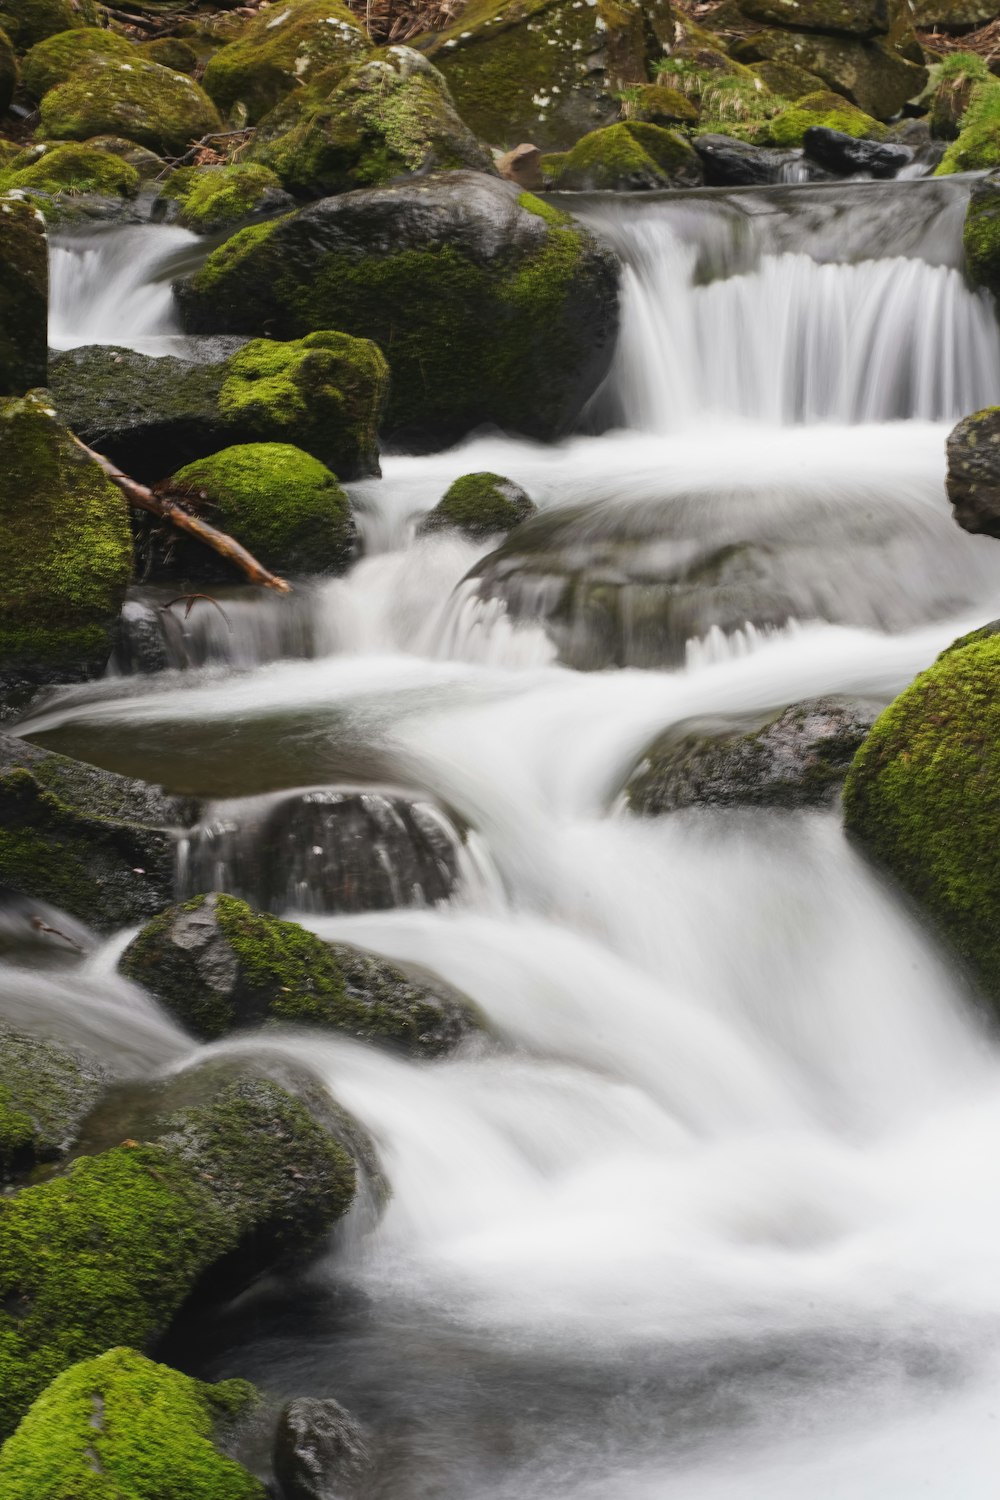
(27, 22)
(151, 105)
(68, 547)
(213, 199)
(382, 118)
(866, 18)
(119, 1427)
(46, 1090)
(283, 505)
(324, 393)
(658, 104)
(8, 72)
(281, 51)
(480, 505)
(97, 845)
(825, 112)
(218, 965)
(495, 307)
(24, 298)
(71, 168)
(223, 1169)
(787, 81)
(974, 472)
(625, 157)
(547, 71)
(146, 162)
(922, 799)
(981, 234)
(868, 73)
(57, 58)
(977, 148)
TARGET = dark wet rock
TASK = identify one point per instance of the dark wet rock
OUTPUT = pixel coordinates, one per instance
(730, 163)
(480, 505)
(321, 1452)
(24, 291)
(974, 472)
(845, 155)
(46, 1090)
(95, 844)
(796, 760)
(217, 966)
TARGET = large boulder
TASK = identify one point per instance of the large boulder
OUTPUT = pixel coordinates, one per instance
(495, 306)
(150, 104)
(974, 471)
(280, 51)
(844, 154)
(98, 845)
(219, 966)
(121, 1426)
(68, 548)
(952, 15)
(324, 393)
(56, 59)
(24, 298)
(29, 21)
(798, 759)
(869, 73)
(47, 1089)
(226, 1169)
(380, 119)
(921, 798)
(547, 71)
(627, 157)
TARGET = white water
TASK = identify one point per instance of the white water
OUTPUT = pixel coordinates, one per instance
(716, 1212)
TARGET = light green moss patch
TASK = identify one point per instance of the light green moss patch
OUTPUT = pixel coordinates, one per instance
(151, 105)
(827, 111)
(214, 198)
(978, 145)
(71, 168)
(57, 58)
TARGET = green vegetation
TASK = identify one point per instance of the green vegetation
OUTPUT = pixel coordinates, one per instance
(57, 58)
(214, 198)
(828, 111)
(45, 1091)
(148, 104)
(8, 72)
(625, 156)
(70, 168)
(279, 53)
(981, 236)
(27, 22)
(978, 145)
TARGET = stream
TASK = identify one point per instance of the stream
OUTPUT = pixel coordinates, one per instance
(715, 1212)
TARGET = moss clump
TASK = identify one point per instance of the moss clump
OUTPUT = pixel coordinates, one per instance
(8, 72)
(978, 145)
(981, 235)
(152, 106)
(280, 52)
(480, 505)
(72, 168)
(282, 504)
(24, 311)
(57, 58)
(922, 797)
(825, 111)
(68, 547)
(120, 1425)
(218, 965)
(384, 117)
(46, 1090)
(953, 80)
(214, 198)
(625, 157)
(328, 391)
(28, 22)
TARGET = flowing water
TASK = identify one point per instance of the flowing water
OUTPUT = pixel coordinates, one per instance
(714, 1210)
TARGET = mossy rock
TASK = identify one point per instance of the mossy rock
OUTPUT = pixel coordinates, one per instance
(71, 168)
(822, 111)
(68, 547)
(8, 72)
(494, 306)
(953, 81)
(864, 18)
(222, 1170)
(28, 22)
(97, 845)
(974, 467)
(171, 52)
(151, 105)
(57, 58)
(547, 71)
(625, 158)
(922, 799)
(46, 1090)
(868, 73)
(282, 504)
(480, 505)
(217, 966)
(281, 51)
(659, 104)
(977, 148)
(119, 1427)
(981, 234)
(24, 303)
(214, 199)
(146, 162)
(380, 119)
(787, 81)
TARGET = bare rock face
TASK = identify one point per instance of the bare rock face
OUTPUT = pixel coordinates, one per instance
(523, 165)
(974, 472)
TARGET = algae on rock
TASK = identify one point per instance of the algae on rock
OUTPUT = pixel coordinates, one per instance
(71, 167)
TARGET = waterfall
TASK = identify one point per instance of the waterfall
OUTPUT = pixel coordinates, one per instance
(114, 287)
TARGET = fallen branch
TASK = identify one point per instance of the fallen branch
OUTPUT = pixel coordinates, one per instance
(143, 498)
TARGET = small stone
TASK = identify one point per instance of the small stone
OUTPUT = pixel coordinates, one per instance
(522, 165)
(321, 1452)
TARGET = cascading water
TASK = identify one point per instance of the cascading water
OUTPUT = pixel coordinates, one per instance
(714, 1210)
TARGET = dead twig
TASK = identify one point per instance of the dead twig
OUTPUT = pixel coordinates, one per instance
(41, 926)
(192, 600)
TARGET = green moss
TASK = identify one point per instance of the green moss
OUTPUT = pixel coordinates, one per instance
(68, 547)
(981, 236)
(480, 505)
(978, 145)
(151, 105)
(171, 52)
(627, 156)
(57, 58)
(45, 1091)
(282, 504)
(278, 53)
(923, 796)
(953, 80)
(120, 1427)
(28, 22)
(24, 298)
(827, 111)
(328, 391)
(214, 198)
(71, 168)
(9, 72)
